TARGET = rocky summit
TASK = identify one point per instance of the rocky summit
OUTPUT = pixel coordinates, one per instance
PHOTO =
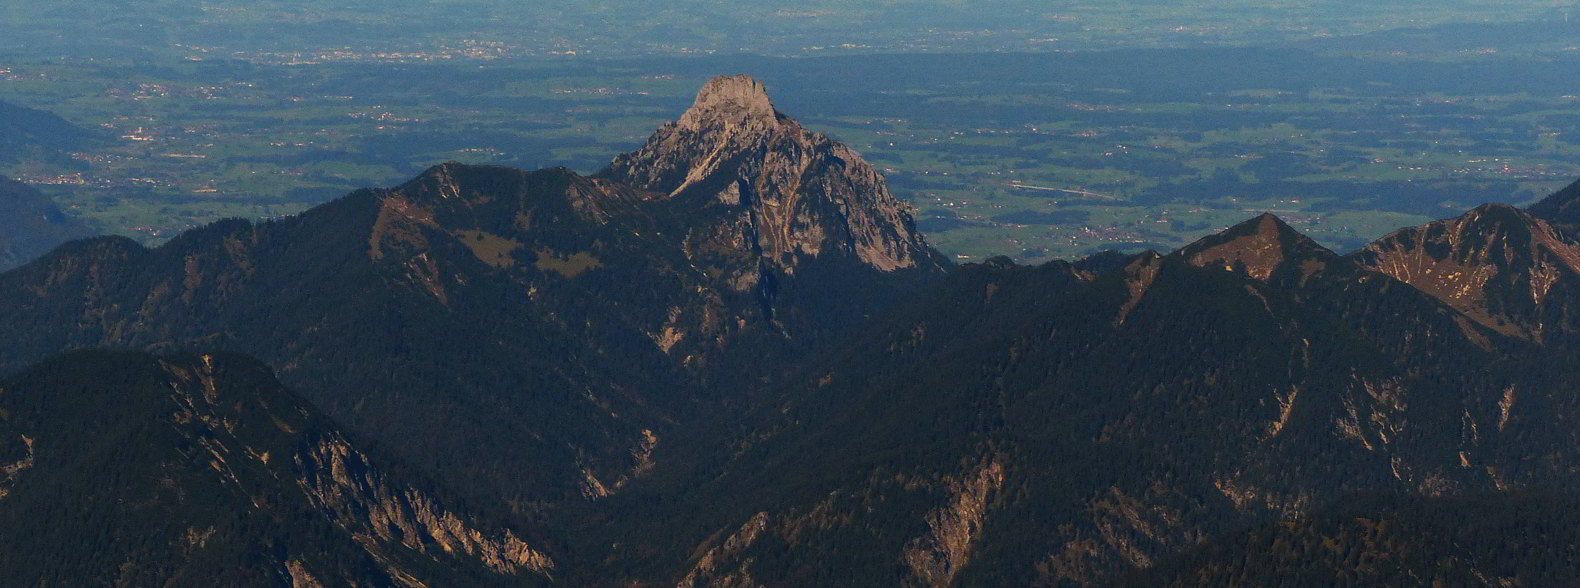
(779, 193)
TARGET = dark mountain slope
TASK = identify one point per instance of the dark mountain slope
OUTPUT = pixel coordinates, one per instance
(29, 134)
(1053, 426)
(466, 308)
(127, 469)
(391, 322)
(730, 360)
(1516, 539)
(31, 224)
(1562, 208)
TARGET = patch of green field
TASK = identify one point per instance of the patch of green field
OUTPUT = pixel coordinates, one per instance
(568, 266)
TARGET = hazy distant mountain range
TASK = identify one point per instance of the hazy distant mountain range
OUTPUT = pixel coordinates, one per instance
(730, 359)
(27, 133)
(31, 224)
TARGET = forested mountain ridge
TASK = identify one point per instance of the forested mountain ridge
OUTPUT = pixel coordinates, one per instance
(1513, 539)
(1561, 209)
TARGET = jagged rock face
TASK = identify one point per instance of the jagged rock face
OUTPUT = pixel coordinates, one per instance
(1496, 264)
(783, 194)
(190, 469)
(1139, 274)
(30, 224)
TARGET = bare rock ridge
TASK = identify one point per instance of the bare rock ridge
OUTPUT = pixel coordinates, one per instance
(777, 192)
(1498, 265)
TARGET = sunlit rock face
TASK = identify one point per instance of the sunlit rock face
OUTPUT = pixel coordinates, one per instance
(786, 194)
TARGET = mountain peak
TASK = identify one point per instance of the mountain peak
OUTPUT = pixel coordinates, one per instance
(1498, 211)
(349, 529)
(1495, 263)
(1266, 223)
(734, 98)
(786, 194)
(1256, 247)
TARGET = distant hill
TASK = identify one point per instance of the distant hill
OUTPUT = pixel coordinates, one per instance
(31, 224)
(30, 134)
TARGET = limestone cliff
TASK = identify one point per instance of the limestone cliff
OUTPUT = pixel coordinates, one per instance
(781, 194)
